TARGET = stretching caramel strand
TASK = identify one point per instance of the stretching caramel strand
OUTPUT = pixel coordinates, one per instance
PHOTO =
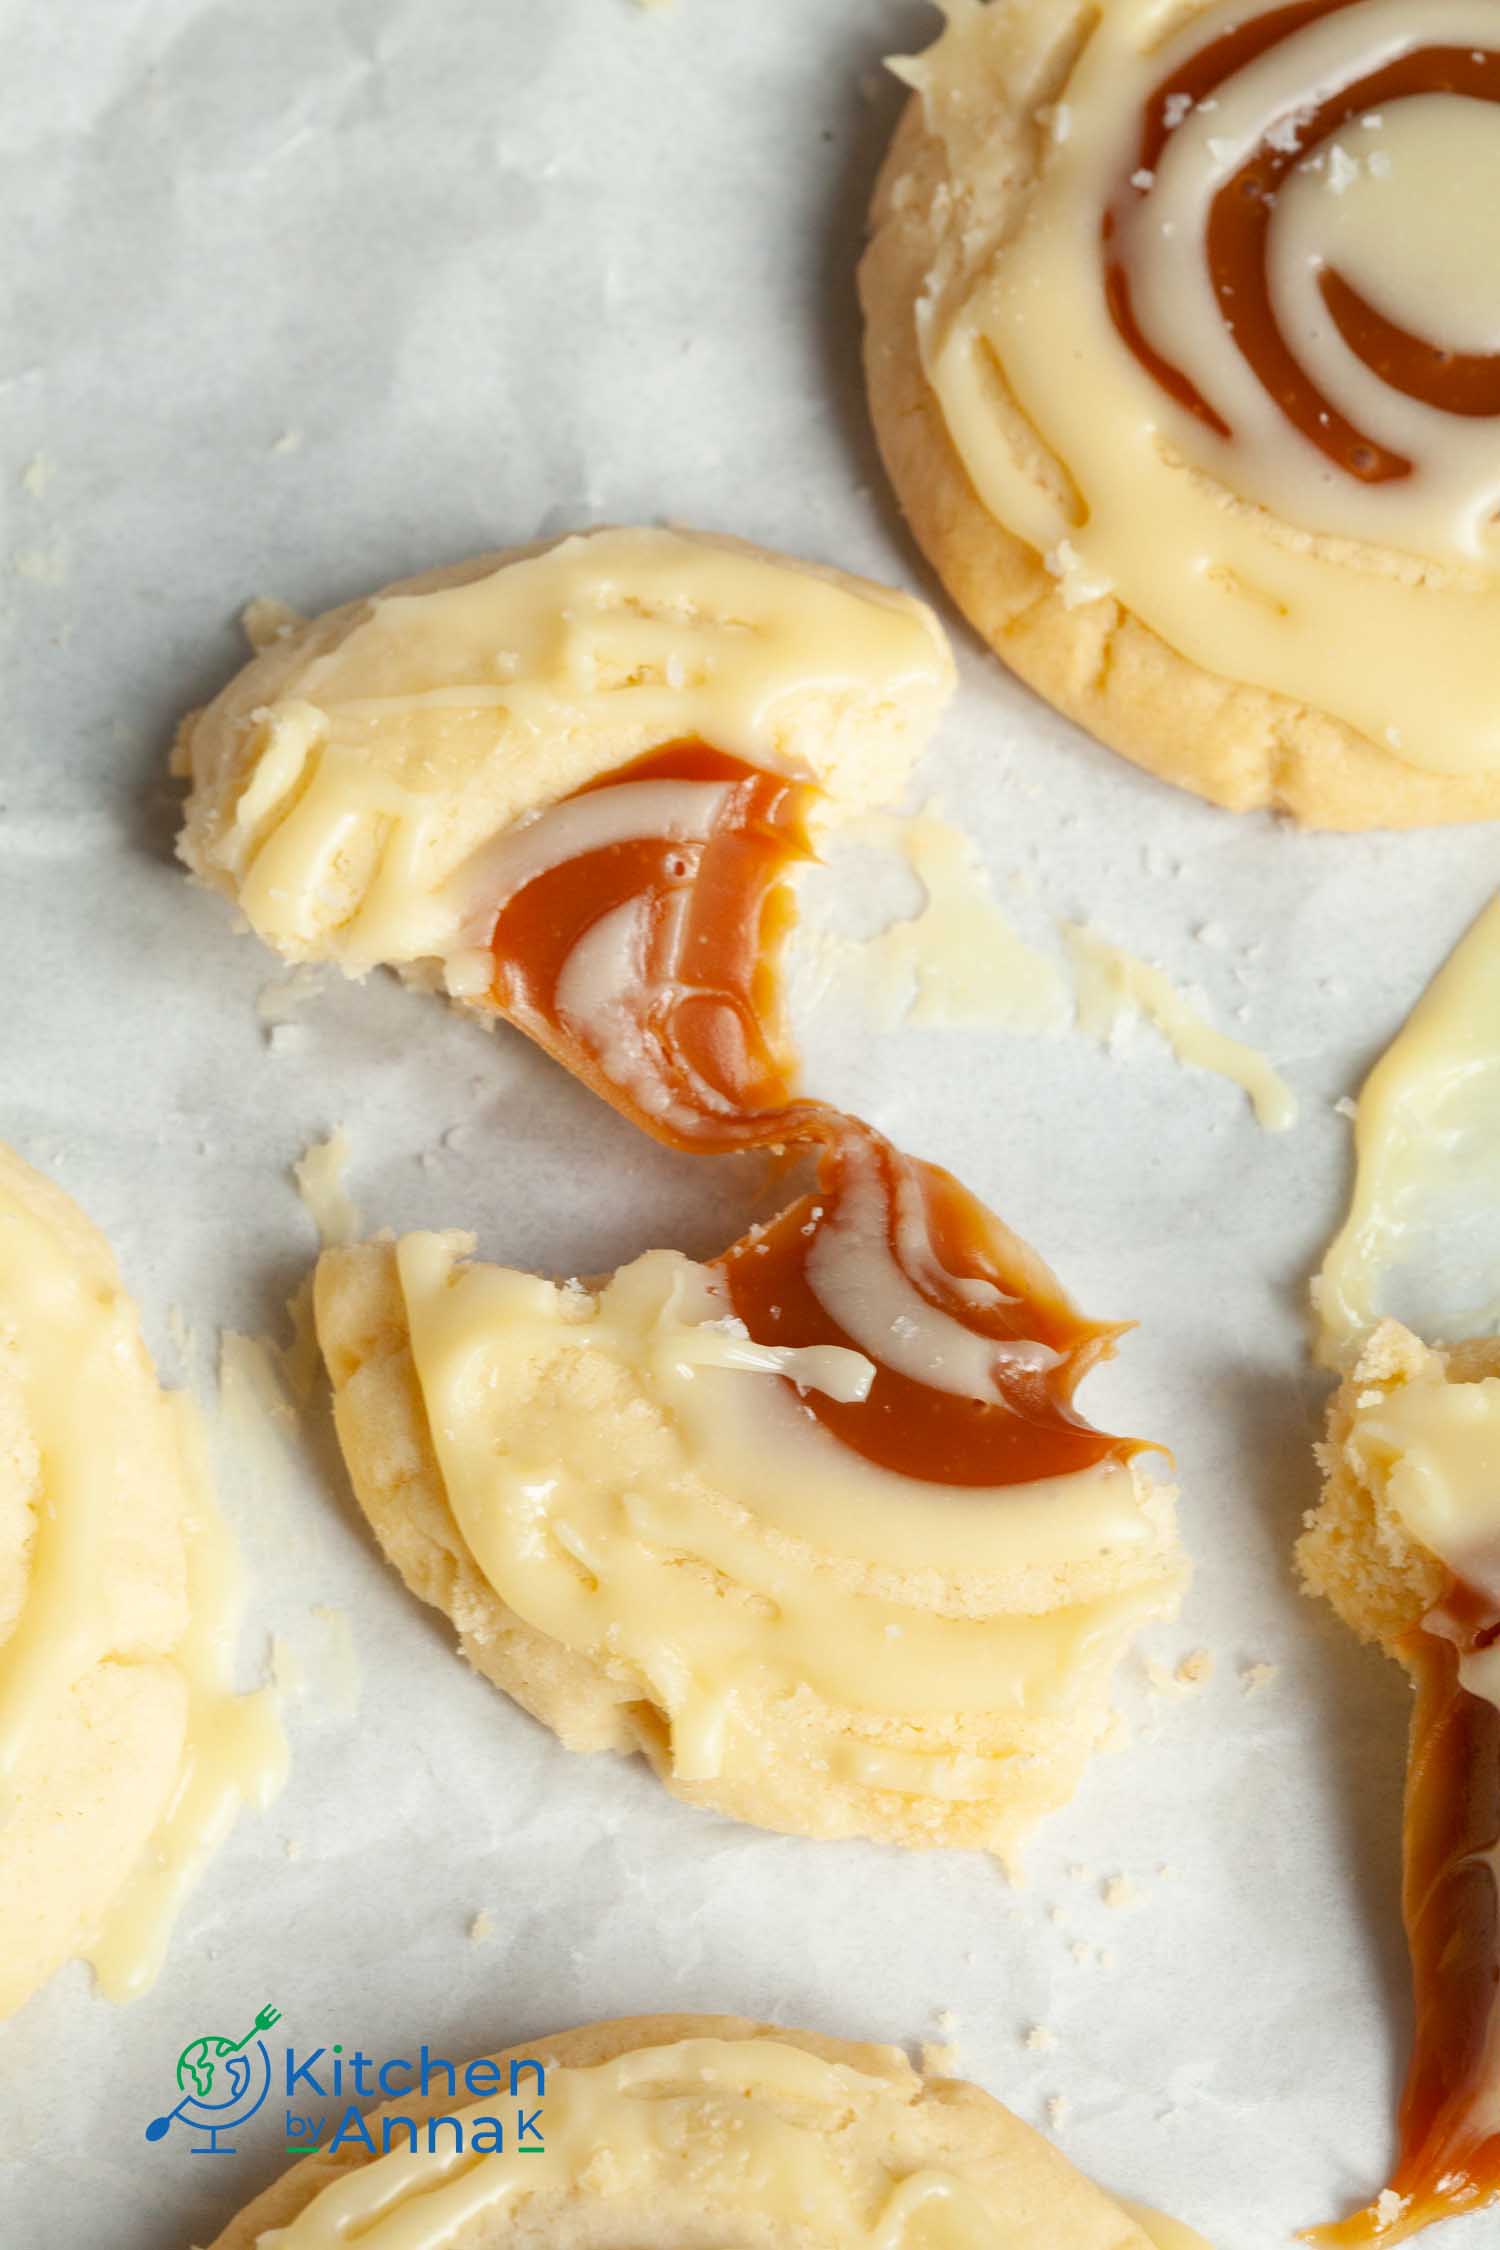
(1449, 2119)
(647, 961)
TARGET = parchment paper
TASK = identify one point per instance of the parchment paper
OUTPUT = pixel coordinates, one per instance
(304, 295)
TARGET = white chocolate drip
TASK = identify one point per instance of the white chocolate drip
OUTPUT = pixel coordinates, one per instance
(865, 1272)
(628, 812)
(1424, 1220)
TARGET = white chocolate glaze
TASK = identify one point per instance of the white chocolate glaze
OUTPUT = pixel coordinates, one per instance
(1430, 1448)
(686, 2135)
(698, 1536)
(1427, 1154)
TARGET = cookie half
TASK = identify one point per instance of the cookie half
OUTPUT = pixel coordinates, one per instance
(816, 1527)
(1406, 1546)
(123, 1754)
(685, 2131)
(1175, 363)
(363, 788)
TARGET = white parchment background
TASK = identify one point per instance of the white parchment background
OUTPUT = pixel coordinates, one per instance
(302, 295)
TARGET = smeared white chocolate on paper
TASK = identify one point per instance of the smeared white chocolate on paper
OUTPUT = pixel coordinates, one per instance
(1422, 1238)
(1112, 985)
(959, 961)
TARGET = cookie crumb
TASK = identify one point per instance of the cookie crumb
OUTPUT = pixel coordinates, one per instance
(1039, 2037)
(939, 2058)
(1118, 1890)
(266, 620)
(1059, 2110)
(319, 1174)
(1254, 1677)
(482, 1927)
(1195, 1668)
(293, 1847)
(1389, 2207)
(1076, 584)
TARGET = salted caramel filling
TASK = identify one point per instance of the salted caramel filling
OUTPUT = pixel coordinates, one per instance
(1448, 2124)
(1433, 1448)
(976, 1349)
(641, 944)
(639, 941)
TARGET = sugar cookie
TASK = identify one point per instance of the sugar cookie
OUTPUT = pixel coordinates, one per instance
(123, 1754)
(815, 1527)
(683, 2131)
(1180, 347)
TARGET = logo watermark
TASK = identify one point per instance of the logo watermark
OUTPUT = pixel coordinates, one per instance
(491, 2109)
(223, 2082)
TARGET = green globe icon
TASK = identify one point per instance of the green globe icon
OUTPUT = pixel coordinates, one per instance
(198, 2071)
(222, 2082)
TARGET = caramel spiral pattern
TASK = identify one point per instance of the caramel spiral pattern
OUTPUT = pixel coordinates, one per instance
(1240, 221)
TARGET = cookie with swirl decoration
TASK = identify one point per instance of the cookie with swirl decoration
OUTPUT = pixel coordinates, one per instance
(684, 2131)
(1183, 347)
(814, 1526)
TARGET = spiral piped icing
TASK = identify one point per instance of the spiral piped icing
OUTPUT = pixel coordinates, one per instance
(1235, 352)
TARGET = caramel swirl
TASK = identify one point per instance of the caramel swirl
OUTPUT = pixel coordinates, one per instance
(977, 1350)
(638, 939)
(1237, 242)
(640, 945)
